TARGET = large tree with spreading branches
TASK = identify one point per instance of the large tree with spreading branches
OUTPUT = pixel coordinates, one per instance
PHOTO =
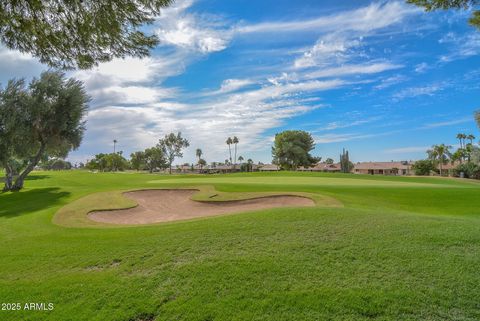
(79, 33)
(41, 120)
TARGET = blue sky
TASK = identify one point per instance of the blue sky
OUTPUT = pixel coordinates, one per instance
(381, 78)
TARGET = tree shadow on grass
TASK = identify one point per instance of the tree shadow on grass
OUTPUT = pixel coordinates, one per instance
(35, 177)
(26, 202)
(29, 177)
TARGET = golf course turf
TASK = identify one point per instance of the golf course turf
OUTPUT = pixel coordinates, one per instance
(374, 248)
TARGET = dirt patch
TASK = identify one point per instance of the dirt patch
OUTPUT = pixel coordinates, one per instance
(156, 206)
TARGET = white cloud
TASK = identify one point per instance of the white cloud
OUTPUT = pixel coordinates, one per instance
(369, 68)
(200, 33)
(412, 92)
(461, 46)
(338, 138)
(448, 123)
(332, 48)
(421, 68)
(374, 16)
(404, 150)
(390, 81)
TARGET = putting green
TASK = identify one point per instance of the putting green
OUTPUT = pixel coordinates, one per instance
(299, 181)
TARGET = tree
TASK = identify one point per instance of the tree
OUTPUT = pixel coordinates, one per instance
(250, 165)
(172, 146)
(154, 158)
(329, 161)
(471, 138)
(229, 142)
(345, 164)
(137, 160)
(49, 122)
(13, 99)
(291, 149)
(235, 141)
(458, 155)
(202, 163)
(461, 138)
(431, 5)
(108, 162)
(199, 153)
(240, 159)
(71, 34)
(440, 154)
(423, 167)
(55, 164)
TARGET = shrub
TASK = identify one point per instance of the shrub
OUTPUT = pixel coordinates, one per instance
(423, 167)
(470, 170)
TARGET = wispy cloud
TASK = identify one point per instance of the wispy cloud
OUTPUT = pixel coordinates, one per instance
(412, 92)
(374, 16)
(448, 123)
(391, 81)
(461, 46)
(406, 150)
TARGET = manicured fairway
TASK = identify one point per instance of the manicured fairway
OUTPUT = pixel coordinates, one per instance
(398, 249)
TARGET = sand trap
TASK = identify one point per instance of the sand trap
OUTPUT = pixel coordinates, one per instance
(156, 206)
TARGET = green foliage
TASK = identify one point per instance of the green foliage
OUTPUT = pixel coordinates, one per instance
(155, 158)
(424, 167)
(55, 164)
(71, 34)
(172, 146)
(137, 160)
(108, 163)
(430, 5)
(329, 161)
(45, 119)
(345, 163)
(292, 148)
(469, 170)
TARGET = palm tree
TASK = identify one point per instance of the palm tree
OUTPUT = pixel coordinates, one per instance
(240, 159)
(235, 141)
(477, 117)
(250, 163)
(229, 142)
(199, 153)
(471, 138)
(113, 159)
(440, 153)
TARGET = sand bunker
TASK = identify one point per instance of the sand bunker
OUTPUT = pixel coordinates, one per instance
(156, 206)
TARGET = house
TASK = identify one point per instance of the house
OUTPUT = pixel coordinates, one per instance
(383, 168)
(322, 167)
(269, 168)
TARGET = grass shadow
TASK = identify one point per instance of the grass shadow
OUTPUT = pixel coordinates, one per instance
(14, 204)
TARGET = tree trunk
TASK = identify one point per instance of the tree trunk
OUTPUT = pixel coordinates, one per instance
(31, 165)
(230, 152)
(235, 161)
(8, 178)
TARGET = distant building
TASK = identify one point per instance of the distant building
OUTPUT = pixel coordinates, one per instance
(269, 168)
(383, 168)
(322, 167)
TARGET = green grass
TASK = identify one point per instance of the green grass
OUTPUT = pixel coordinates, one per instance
(401, 248)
